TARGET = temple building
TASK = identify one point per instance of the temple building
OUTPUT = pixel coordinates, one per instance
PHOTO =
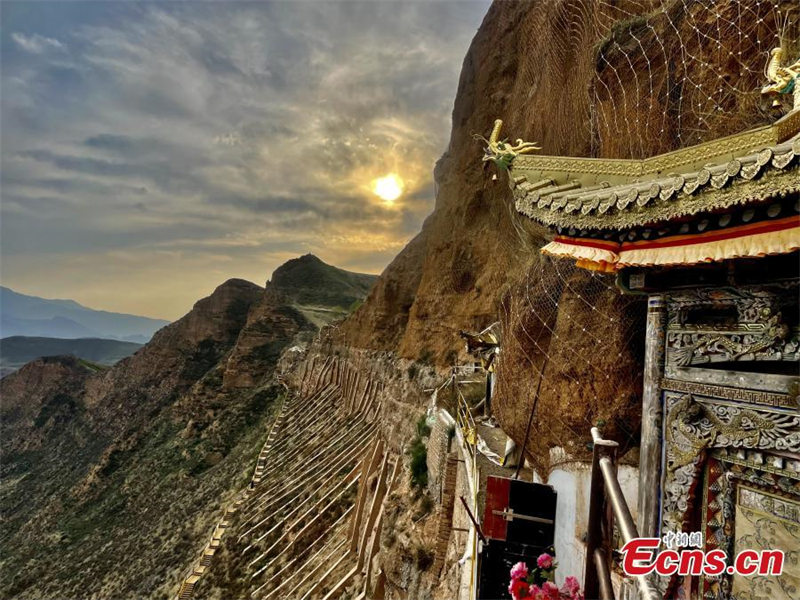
(710, 234)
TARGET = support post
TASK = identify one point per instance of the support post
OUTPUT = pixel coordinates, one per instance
(650, 447)
(594, 584)
(487, 408)
(474, 520)
(370, 463)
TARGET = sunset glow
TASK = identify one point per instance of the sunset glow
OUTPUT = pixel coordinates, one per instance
(232, 139)
(388, 188)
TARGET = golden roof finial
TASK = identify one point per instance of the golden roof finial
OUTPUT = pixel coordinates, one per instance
(501, 152)
(783, 80)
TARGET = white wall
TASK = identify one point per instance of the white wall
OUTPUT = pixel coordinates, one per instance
(571, 481)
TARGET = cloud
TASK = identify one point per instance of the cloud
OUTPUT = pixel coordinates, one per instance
(242, 134)
(36, 44)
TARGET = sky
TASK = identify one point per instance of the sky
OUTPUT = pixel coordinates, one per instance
(150, 152)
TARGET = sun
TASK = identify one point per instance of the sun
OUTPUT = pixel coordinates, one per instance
(388, 188)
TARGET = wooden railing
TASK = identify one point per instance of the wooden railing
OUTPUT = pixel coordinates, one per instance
(607, 506)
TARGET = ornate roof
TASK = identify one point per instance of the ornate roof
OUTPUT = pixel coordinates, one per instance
(616, 213)
(768, 173)
(590, 193)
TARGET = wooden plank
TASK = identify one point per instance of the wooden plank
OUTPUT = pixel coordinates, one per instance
(377, 500)
(376, 530)
(337, 589)
(362, 494)
(311, 592)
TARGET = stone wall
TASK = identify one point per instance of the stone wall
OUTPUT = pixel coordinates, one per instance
(571, 480)
(449, 481)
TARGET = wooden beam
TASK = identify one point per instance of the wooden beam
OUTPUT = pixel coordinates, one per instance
(336, 590)
(368, 468)
(377, 499)
(376, 530)
(650, 446)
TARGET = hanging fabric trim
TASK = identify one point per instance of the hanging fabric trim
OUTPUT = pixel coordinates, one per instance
(595, 255)
(745, 241)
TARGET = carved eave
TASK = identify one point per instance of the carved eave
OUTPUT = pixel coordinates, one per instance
(735, 197)
(585, 193)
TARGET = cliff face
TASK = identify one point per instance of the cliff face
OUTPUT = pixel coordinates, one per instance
(40, 394)
(112, 477)
(174, 360)
(580, 79)
(611, 79)
(270, 322)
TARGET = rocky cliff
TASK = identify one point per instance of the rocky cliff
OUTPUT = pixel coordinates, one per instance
(603, 79)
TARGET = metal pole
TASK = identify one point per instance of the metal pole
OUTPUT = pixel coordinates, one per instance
(606, 592)
(622, 513)
(530, 417)
(594, 579)
(474, 521)
(487, 408)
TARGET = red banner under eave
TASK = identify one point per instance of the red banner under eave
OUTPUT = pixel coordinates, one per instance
(754, 240)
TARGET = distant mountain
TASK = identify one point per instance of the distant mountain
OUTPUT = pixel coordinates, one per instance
(23, 315)
(321, 292)
(309, 281)
(15, 351)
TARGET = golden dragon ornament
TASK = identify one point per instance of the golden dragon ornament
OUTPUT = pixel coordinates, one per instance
(783, 79)
(501, 152)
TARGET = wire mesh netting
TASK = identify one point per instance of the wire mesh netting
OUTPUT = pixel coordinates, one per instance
(571, 359)
(708, 58)
(650, 77)
(662, 74)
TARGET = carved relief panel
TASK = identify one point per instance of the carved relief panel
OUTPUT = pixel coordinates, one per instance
(746, 337)
(731, 431)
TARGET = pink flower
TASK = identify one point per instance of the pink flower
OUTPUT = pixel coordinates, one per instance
(571, 585)
(545, 561)
(572, 588)
(518, 588)
(536, 593)
(519, 571)
(550, 591)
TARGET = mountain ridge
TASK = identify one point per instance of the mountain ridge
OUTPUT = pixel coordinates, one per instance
(15, 351)
(162, 437)
(33, 316)
(307, 279)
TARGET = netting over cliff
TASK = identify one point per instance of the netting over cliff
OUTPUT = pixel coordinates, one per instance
(570, 359)
(709, 57)
(663, 73)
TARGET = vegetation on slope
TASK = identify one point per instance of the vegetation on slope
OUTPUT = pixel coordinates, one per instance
(15, 351)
